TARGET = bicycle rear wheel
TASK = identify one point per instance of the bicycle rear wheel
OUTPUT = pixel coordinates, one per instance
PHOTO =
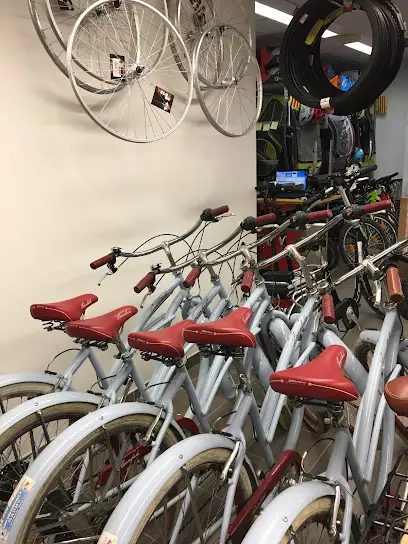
(195, 496)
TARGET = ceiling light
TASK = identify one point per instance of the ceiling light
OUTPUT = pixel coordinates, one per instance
(362, 47)
(272, 13)
(281, 17)
(329, 34)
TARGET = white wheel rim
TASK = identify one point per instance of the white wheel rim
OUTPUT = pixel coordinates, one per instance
(63, 24)
(192, 24)
(233, 106)
(144, 122)
(39, 16)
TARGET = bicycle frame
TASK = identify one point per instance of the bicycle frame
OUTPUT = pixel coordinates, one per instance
(359, 451)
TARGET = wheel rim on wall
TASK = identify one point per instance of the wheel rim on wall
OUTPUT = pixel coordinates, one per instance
(192, 22)
(228, 103)
(130, 111)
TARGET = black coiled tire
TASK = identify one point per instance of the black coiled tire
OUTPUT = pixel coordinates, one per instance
(300, 62)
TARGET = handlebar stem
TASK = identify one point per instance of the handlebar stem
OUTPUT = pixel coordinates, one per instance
(167, 251)
(295, 255)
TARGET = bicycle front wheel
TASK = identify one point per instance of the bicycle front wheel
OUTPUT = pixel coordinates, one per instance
(23, 441)
(189, 507)
(313, 525)
(83, 488)
(14, 394)
(369, 233)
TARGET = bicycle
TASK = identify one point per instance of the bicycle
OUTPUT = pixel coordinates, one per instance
(328, 499)
(183, 463)
(41, 418)
(156, 414)
(44, 472)
(55, 316)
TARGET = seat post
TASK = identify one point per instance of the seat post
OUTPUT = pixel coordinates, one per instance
(238, 355)
(126, 355)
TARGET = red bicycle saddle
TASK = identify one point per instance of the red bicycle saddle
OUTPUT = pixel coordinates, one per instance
(168, 342)
(396, 394)
(66, 310)
(104, 328)
(229, 331)
(321, 379)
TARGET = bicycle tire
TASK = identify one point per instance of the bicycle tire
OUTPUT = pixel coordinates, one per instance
(124, 424)
(388, 225)
(301, 63)
(25, 389)
(320, 509)
(69, 411)
(348, 259)
(217, 457)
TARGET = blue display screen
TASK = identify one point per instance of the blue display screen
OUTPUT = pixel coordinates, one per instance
(299, 177)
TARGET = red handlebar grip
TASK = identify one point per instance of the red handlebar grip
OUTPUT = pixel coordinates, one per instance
(247, 282)
(394, 285)
(102, 260)
(215, 212)
(322, 215)
(147, 281)
(328, 311)
(377, 206)
(268, 219)
(192, 277)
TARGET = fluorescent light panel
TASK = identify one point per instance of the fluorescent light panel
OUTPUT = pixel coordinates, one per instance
(281, 17)
(362, 47)
(272, 13)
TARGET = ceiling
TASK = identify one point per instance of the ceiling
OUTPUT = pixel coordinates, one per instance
(269, 33)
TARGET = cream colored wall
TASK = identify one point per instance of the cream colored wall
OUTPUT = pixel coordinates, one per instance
(69, 192)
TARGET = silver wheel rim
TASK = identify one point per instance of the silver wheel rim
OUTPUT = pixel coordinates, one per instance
(63, 25)
(136, 84)
(192, 22)
(39, 17)
(236, 91)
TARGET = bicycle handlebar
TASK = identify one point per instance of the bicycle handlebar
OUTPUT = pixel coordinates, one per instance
(394, 285)
(316, 217)
(367, 170)
(328, 311)
(192, 277)
(147, 281)
(210, 214)
(247, 282)
(372, 260)
(110, 258)
(250, 223)
(356, 212)
(353, 212)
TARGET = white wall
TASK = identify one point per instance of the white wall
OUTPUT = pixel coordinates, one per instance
(69, 192)
(391, 128)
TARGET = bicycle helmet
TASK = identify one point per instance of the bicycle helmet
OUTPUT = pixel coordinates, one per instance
(305, 115)
(358, 156)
